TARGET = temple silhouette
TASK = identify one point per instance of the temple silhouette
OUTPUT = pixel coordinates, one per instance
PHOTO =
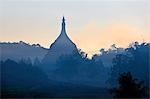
(61, 46)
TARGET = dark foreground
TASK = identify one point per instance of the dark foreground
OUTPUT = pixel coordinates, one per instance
(68, 91)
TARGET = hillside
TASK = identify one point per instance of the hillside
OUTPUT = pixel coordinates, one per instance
(21, 50)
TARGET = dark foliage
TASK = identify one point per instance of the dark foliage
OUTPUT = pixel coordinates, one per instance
(75, 75)
(129, 87)
(135, 59)
(24, 80)
(17, 79)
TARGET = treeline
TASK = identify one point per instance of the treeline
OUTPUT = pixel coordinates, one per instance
(24, 77)
(18, 79)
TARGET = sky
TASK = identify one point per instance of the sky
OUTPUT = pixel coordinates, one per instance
(91, 24)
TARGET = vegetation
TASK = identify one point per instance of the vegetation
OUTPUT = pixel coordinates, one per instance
(129, 87)
(79, 74)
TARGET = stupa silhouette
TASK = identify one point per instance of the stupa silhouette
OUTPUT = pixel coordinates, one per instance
(61, 46)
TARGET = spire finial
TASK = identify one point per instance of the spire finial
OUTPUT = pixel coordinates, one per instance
(63, 19)
(63, 31)
(63, 22)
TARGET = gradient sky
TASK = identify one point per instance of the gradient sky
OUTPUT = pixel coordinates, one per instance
(91, 24)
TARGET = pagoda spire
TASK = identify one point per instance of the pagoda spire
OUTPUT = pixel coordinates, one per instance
(63, 30)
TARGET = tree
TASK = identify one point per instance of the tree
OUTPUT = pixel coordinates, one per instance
(129, 87)
(19, 79)
(36, 62)
(28, 61)
(135, 59)
(102, 50)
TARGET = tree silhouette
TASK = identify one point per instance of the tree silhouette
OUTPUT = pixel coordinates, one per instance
(129, 87)
(19, 79)
(36, 62)
(135, 59)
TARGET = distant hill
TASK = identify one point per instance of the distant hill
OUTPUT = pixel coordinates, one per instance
(21, 50)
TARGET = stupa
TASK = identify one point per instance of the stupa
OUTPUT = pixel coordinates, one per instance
(61, 46)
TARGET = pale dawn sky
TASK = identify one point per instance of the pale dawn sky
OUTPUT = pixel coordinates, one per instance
(91, 24)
